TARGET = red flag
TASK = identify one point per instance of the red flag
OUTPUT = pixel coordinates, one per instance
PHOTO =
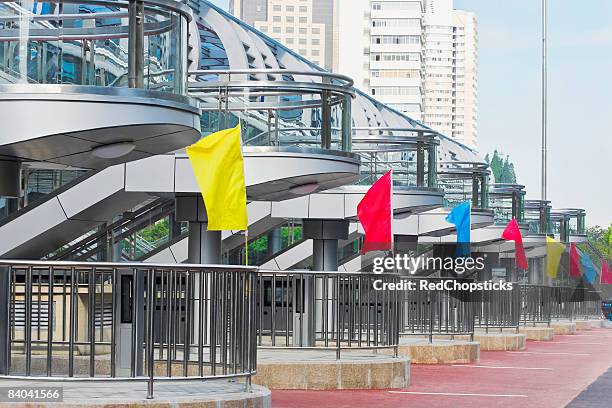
(606, 273)
(574, 261)
(374, 213)
(512, 233)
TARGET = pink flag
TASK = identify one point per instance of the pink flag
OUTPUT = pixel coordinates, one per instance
(606, 273)
(513, 233)
(574, 261)
(374, 213)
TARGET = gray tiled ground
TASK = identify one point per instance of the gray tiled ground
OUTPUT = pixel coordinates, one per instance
(108, 392)
(597, 395)
(268, 355)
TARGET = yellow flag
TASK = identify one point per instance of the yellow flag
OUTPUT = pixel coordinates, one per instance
(554, 250)
(219, 170)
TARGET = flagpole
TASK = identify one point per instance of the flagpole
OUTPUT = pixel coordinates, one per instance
(246, 247)
(544, 100)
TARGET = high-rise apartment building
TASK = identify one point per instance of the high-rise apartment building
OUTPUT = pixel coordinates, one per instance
(450, 70)
(305, 26)
(419, 56)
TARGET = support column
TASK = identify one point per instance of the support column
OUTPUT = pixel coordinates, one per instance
(347, 125)
(136, 44)
(405, 245)
(10, 179)
(325, 235)
(204, 246)
(274, 241)
(420, 165)
(326, 128)
(491, 260)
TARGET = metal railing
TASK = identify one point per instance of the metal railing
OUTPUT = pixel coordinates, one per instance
(74, 321)
(437, 312)
(499, 309)
(536, 304)
(326, 311)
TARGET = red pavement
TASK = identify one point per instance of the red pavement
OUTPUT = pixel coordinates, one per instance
(546, 374)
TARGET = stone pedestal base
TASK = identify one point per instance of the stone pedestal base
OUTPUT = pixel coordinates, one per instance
(538, 333)
(317, 370)
(420, 351)
(563, 327)
(500, 341)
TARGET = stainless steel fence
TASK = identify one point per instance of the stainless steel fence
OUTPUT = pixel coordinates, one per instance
(498, 309)
(575, 303)
(536, 304)
(326, 311)
(126, 321)
(436, 312)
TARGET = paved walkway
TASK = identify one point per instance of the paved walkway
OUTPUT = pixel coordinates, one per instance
(545, 375)
(597, 395)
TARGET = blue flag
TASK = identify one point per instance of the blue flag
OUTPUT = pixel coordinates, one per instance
(460, 216)
(589, 271)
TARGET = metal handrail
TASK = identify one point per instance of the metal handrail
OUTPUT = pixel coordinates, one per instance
(334, 311)
(174, 322)
(437, 313)
(346, 81)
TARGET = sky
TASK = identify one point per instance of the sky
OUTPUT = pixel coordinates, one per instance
(579, 93)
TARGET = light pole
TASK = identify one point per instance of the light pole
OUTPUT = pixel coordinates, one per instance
(544, 101)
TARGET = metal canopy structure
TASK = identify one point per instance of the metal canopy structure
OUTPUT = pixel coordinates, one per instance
(227, 43)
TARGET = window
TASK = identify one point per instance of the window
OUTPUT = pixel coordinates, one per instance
(397, 6)
(399, 56)
(314, 53)
(396, 22)
(289, 19)
(302, 51)
(303, 30)
(276, 19)
(396, 39)
(316, 30)
(396, 90)
(303, 20)
(396, 73)
(289, 40)
(316, 41)
(302, 41)
(276, 7)
(303, 9)
(289, 30)
(290, 9)
(276, 30)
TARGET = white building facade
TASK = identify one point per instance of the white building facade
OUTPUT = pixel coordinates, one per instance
(305, 26)
(419, 56)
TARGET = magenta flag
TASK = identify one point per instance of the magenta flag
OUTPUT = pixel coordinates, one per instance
(606, 273)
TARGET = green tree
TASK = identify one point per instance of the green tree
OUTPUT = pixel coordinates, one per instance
(601, 239)
(501, 169)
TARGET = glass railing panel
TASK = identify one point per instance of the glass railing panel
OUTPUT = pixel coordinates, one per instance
(86, 43)
(276, 108)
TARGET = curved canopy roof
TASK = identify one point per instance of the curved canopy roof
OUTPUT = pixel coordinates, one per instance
(226, 42)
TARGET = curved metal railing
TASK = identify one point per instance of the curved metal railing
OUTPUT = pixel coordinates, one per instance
(96, 43)
(507, 201)
(464, 181)
(71, 321)
(409, 152)
(335, 311)
(277, 107)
